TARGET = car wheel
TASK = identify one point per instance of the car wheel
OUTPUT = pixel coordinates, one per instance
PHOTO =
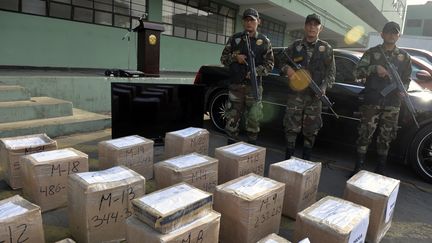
(421, 153)
(218, 107)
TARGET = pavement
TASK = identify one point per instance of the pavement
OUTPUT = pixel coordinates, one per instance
(412, 220)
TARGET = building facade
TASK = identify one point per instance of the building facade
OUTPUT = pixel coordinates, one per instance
(97, 33)
(419, 20)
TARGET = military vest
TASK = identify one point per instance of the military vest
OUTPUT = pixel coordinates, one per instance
(375, 84)
(259, 46)
(316, 63)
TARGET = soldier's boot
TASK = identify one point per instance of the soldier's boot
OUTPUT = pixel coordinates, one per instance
(359, 164)
(381, 167)
(307, 152)
(252, 137)
(289, 150)
(232, 138)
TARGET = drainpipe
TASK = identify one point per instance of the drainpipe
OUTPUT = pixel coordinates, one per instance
(404, 17)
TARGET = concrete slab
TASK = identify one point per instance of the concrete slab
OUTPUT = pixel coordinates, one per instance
(35, 108)
(87, 92)
(81, 121)
(13, 93)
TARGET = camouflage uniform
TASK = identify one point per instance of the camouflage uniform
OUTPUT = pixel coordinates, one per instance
(378, 111)
(303, 108)
(241, 102)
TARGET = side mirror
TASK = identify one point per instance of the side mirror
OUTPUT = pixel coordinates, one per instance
(424, 75)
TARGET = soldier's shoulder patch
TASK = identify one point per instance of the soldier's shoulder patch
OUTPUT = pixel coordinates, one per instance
(299, 47)
(237, 40)
(264, 37)
(259, 42)
(401, 57)
(377, 55)
(322, 48)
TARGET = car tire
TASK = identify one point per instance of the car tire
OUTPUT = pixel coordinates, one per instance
(217, 109)
(420, 154)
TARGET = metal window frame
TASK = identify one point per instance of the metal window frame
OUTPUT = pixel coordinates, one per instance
(220, 19)
(73, 6)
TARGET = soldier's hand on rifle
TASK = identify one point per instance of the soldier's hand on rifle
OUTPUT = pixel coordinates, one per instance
(360, 80)
(381, 71)
(290, 72)
(241, 58)
(248, 75)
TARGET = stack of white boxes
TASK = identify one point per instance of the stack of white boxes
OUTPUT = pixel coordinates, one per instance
(186, 141)
(301, 178)
(195, 169)
(180, 213)
(379, 194)
(45, 175)
(134, 152)
(20, 221)
(251, 208)
(332, 220)
(240, 159)
(11, 149)
(100, 202)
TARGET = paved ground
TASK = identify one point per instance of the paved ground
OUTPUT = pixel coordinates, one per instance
(413, 216)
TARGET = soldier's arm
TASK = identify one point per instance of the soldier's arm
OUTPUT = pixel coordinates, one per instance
(267, 67)
(364, 68)
(405, 77)
(227, 55)
(330, 74)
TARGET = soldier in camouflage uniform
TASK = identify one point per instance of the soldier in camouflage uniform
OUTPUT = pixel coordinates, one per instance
(241, 102)
(379, 111)
(303, 110)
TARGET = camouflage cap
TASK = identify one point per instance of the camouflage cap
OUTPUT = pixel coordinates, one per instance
(391, 27)
(312, 17)
(250, 12)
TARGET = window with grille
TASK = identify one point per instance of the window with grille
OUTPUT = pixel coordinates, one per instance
(275, 31)
(198, 20)
(118, 13)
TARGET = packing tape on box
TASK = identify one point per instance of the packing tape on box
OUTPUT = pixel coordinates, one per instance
(53, 155)
(297, 165)
(169, 200)
(240, 149)
(10, 209)
(109, 175)
(335, 213)
(24, 142)
(376, 183)
(251, 185)
(186, 161)
(188, 132)
(126, 141)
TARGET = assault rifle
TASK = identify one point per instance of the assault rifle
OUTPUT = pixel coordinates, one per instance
(251, 66)
(312, 85)
(396, 83)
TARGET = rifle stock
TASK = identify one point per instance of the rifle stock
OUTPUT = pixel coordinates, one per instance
(252, 69)
(396, 81)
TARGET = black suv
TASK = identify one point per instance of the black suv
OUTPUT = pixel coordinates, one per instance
(412, 146)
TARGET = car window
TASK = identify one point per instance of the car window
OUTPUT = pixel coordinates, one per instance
(423, 58)
(344, 70)
(415, 69)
